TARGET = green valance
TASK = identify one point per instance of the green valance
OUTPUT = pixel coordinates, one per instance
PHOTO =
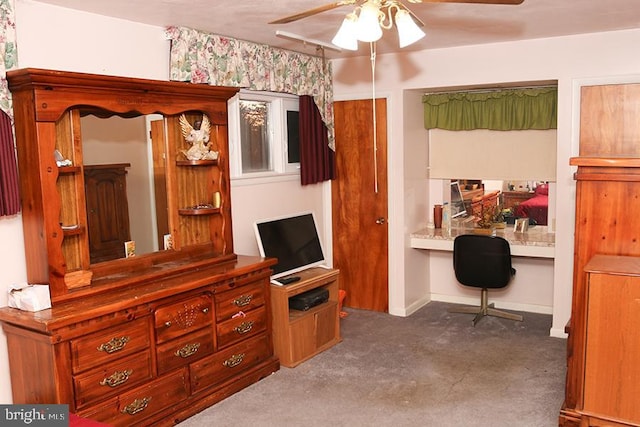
(506, 109)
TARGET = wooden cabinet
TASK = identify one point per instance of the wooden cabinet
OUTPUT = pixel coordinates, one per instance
(612, 340)
(607, 211)
(145, 340)
(511, 199)
(105, 188)
(300, 335)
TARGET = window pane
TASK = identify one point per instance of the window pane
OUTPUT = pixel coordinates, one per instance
(293, 137)
(254, 136)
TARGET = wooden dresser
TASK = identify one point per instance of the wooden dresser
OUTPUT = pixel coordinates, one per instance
(150, 354)
(149, 339)
(511, 199)
(607, 212)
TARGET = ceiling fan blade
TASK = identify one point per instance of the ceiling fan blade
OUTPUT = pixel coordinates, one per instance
(514, 2)
(312, 12)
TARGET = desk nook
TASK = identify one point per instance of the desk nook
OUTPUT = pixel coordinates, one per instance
(133, 338)
(536, 242)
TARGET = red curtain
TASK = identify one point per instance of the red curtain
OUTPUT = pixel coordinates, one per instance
(317, 160)
(9, 196)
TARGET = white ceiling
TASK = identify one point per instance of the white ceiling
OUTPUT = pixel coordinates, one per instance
(446, 24)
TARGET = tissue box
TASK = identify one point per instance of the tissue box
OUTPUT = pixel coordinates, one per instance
(29, 297)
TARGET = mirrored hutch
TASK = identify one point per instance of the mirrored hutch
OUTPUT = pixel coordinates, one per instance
(144, 336)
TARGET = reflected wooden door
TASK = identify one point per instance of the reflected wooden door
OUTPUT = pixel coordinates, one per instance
(160, 179)
(359, 204)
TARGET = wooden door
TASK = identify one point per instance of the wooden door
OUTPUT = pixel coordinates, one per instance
(107, 211)
(359, 204)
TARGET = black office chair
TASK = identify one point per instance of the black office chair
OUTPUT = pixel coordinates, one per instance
(483, 262)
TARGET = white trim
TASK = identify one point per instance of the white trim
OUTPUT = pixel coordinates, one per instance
(278, 104)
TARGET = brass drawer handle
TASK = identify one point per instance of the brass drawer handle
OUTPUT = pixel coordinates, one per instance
(136, 406)
(188, 350)
(115, 344)
(117, 378)
(234, 360)
(242, 300)
(243, 327)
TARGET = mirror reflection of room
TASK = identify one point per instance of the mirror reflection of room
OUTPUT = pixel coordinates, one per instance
(510, 199)
(110, 144)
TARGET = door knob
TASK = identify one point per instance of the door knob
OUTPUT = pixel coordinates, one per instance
(380, 220)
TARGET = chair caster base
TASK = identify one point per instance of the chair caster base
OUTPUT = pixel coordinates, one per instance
(488, 310)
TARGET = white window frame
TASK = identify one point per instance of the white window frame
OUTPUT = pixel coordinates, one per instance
(279, 104)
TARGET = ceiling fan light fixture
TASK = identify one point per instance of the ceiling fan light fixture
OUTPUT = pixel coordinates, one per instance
(368, 25)
(408, 30)
(346, 38)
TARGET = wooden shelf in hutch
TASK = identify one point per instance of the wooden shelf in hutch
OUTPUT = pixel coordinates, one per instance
(72, 231)
(68, 169)
(196, 162)
(201, 211)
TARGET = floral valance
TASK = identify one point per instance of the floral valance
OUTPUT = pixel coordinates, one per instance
(201, 57)
(506, 109)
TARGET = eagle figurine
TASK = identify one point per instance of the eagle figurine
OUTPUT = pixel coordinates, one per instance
(198, 137)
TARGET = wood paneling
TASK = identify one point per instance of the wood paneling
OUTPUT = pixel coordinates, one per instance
(609, 116)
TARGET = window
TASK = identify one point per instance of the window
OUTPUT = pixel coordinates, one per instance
(263, 134)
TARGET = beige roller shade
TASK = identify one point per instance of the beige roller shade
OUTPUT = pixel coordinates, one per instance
(501, 155)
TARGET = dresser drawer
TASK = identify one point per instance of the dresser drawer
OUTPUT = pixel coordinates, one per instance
(232, 361)
(133, 407)
(183, 350)
(242, 326)
(244, 298)
(110, 345)
(180, 318)
(111, 379)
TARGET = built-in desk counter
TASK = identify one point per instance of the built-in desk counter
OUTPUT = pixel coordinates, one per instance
(536, 242)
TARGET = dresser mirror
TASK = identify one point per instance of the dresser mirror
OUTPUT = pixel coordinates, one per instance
(138, 143)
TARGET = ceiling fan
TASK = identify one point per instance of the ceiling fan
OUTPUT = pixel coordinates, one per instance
(382, 3)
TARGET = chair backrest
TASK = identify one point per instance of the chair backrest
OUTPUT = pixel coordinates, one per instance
(482, 261)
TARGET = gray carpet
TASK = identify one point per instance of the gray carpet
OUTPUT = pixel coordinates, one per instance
(432, 368)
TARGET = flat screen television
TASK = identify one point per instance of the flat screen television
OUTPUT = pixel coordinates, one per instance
(293, 240)
(457, 202)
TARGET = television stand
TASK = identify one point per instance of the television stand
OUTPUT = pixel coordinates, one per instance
(300, 335)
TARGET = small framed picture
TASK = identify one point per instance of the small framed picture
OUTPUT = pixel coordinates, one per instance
(521, 225)
(129, 249)
(168, 242)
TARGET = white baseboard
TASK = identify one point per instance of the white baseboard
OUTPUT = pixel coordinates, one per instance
(408, 311)
(558, 333)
